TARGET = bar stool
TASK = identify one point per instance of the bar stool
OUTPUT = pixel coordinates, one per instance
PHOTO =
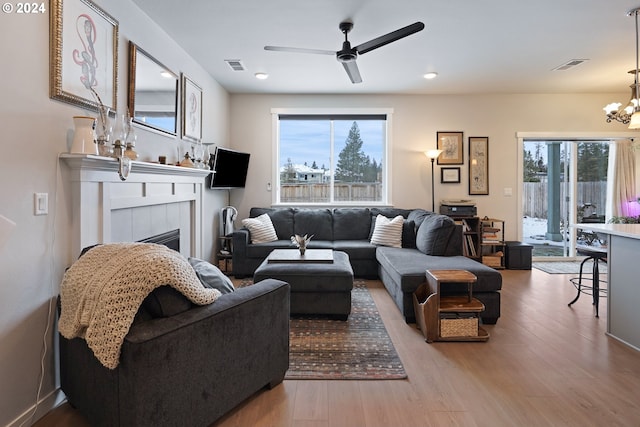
(596, 256)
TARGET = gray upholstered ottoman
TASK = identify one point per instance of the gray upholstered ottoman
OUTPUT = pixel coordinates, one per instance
(316, 287)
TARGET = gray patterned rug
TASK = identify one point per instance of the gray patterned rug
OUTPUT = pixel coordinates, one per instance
(357, 349)
(567, 267)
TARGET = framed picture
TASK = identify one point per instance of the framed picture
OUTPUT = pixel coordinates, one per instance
(191, 110)
(84, 54)
(451, 145)
(449, 175)
(478, 165)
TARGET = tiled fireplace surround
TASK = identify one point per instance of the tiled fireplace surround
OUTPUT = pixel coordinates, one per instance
(153, 200)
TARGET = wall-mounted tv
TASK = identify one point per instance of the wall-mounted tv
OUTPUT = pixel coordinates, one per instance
(230, 168)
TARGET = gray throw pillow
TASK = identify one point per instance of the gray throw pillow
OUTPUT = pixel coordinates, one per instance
(418, 216)
(165, 301)
(434, 234)
(211, 276)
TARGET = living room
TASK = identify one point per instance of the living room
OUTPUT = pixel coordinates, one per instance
(37, 129)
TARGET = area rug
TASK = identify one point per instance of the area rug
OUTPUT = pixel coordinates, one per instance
(356, 349)
(567, 267)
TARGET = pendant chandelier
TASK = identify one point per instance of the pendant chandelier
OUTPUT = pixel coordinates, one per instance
(630, 114)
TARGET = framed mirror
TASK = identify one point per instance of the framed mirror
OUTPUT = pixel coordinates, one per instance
(153, 92)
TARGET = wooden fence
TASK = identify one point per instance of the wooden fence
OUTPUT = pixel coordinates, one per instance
(320, 193)
(534, 198)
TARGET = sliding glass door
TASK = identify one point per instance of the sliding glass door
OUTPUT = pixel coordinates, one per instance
(564, 182)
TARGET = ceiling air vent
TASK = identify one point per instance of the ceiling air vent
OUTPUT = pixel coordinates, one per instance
(569, 64)
(235, 64)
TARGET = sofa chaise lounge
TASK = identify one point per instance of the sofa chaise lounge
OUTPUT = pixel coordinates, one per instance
(429, 241)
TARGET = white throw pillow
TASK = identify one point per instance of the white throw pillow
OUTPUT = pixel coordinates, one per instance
(388, 232)
(261, 229)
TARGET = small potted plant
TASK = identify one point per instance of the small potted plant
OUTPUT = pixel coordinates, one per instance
(301, 242)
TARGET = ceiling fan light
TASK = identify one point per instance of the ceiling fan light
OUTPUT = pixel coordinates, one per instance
(635, 121)
(430, 75)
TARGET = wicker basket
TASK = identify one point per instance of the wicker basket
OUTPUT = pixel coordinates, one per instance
(459, 327)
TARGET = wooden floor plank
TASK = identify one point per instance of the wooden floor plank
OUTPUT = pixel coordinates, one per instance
(545, 364)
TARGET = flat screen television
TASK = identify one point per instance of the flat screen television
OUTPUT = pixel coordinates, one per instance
(230, 168)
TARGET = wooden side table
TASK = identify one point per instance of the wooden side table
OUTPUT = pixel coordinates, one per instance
(225, 253)
(434, 310)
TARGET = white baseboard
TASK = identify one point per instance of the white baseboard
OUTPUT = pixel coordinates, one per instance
(47, 403)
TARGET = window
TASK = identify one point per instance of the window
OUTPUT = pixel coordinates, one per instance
(332, 158)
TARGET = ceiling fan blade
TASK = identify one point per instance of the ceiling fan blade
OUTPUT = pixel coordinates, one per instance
(352, 70)
(388, 38)
(300, 50)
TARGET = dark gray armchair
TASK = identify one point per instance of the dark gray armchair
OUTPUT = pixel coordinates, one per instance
(186, 369)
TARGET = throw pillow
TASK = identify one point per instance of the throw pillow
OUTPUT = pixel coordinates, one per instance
(434, 234)
(261, 229)
(211, 276)
(388, 232)
(409, 234)
(165, 301)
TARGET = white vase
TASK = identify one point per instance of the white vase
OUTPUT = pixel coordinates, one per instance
(84, 136)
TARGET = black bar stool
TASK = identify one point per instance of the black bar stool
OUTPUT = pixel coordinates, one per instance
(596, 256)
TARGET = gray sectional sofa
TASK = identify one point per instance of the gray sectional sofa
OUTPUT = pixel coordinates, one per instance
(429, 241)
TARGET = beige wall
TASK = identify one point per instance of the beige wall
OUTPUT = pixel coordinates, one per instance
(416, 119)
(34, 130)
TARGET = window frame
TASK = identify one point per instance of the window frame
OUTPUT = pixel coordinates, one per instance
(386, 159)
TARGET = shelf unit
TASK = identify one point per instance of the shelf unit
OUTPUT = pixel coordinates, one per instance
(470, 236)
(492, 244)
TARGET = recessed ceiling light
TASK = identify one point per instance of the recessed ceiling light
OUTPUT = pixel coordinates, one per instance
(262, 76)
(431, 75)
(166, 74)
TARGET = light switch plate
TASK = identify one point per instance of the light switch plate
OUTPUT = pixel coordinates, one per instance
(41, 203)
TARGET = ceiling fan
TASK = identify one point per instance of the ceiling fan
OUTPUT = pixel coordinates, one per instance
(348, 55)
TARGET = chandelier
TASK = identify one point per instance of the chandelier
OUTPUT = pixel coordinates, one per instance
(630, 114)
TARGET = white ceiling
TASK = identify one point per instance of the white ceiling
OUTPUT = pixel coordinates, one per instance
(476, 46)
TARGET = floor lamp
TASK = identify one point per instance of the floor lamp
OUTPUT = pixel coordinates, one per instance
(433, 155)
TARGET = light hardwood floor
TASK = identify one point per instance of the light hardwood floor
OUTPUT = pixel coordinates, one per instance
(545, 365)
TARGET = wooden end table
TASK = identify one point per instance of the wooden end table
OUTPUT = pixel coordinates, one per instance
(430, 313)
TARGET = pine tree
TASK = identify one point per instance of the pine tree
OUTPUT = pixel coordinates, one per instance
(352, 162)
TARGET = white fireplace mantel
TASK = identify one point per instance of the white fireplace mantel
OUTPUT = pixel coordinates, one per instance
(154, 199)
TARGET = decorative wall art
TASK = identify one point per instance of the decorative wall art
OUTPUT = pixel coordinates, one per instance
(478, 165)
(84, 54)
(449, 175)
(451, 145)
(191, 110)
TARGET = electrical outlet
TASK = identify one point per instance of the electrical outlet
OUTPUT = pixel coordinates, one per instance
(40, 203)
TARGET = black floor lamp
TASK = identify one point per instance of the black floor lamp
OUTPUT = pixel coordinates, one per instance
(433, 155)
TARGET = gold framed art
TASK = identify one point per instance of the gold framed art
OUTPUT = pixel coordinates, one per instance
(478, 165)
(83, 54)
(452, 148)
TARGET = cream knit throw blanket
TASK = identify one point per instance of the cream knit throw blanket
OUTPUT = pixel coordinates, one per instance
(103, 290)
